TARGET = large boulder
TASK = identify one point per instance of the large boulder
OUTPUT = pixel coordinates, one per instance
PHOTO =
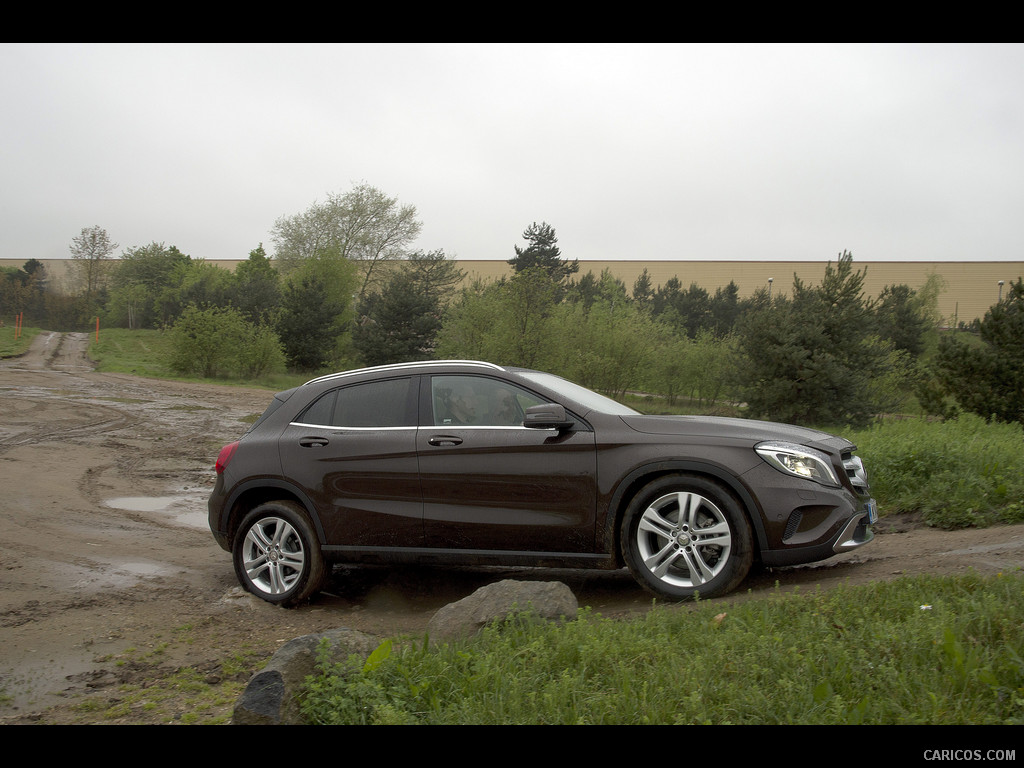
(550, 600)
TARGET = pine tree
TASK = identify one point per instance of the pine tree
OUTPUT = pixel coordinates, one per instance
(543, 252)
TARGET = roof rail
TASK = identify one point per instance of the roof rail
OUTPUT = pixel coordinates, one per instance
(397, 366)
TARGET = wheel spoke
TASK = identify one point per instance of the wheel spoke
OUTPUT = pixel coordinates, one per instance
(689, 506)
(662, 560)
(654, 522)
(700, 571)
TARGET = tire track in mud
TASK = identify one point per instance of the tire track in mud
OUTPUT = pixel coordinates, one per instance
(73, 413)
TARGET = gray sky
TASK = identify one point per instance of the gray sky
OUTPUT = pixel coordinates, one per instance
(652, 152)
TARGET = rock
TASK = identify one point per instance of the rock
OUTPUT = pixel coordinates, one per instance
(270, 696)
(546, 600)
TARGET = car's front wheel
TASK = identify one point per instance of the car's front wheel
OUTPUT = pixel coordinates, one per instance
(684, 536)
(277, 555)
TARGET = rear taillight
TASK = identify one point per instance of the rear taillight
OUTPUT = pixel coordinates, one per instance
(225, 456)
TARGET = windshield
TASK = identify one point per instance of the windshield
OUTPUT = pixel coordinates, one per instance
(578, 394)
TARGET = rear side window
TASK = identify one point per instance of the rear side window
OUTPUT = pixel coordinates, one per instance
(387, 403)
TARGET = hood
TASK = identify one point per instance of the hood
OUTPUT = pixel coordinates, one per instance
(746, 430)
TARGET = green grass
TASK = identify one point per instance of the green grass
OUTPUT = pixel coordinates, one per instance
(956, 474)
(11, 346)
(147, 352)
(921, 650)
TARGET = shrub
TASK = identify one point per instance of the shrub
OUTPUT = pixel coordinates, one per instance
(219, 341)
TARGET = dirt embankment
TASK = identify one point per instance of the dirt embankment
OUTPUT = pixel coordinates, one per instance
(106, 554)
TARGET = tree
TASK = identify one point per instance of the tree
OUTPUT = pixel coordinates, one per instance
(505, 322)
(987, 378)
(543, 253)
(402, 321)
(140, 279)
(24, 291)
(608, 343)
(316, 313)
(812, 359)
(90, 252)
(643, 291)
(900, 319)
(256, 288)
(364, 226)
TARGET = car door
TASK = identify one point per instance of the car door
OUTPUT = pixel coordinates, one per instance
(354, 452)
(491, 484)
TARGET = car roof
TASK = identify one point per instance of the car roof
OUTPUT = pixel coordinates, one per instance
(402, 367)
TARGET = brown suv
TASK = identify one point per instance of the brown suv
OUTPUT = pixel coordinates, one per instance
(471, 463)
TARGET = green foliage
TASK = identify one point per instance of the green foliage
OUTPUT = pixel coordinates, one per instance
(401, 322)
(507, 322)
(219, 341)
(256, 288)
(956, 474)
(397, 325)
(142, 281)
(543, 253)
(23, 291)
(363, 226)
(316, 311)
(608, 346)
(912, 651)
(988, 378)
(904, 316)
(815, 359)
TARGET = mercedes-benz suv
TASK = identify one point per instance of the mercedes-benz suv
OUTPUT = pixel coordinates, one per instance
(455, 462)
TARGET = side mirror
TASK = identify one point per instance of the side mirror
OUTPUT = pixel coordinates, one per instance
(547, 416)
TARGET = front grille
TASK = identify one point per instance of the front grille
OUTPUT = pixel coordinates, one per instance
(855, 472)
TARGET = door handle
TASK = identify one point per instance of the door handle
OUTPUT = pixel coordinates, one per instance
(313, 442)
(444, 440)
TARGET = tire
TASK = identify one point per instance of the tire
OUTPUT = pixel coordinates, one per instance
(277, 555)
(684, 536)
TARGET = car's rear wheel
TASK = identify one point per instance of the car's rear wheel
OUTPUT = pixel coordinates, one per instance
(684, 536)
(277, 555)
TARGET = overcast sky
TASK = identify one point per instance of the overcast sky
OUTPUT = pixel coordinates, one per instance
(651, 152)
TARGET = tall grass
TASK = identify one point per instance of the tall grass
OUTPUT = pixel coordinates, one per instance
(13, 344)
(916, 650)
(956, 474)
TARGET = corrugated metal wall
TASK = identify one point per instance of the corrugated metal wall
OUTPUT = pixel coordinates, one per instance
(971, 287)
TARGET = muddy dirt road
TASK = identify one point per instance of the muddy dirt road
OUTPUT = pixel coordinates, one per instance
(110, 575)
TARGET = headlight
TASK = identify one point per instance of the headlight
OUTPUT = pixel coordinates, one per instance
(799, 460)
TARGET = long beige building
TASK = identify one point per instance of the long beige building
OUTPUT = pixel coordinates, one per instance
(971, 287)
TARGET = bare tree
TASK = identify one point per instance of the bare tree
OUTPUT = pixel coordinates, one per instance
(91, 251)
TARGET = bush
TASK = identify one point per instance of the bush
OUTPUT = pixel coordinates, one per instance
(219, 341)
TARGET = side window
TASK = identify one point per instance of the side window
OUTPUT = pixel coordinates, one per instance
(375, 404)
(478, 401)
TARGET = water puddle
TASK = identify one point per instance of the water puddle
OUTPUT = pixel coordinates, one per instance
(185, 510)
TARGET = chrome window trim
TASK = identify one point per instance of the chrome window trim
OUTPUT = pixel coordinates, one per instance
(337, 427)
(415, 366)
